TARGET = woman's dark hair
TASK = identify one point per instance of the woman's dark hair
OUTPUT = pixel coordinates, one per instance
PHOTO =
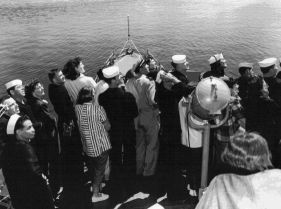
(247, 151)
(85, 95)
(30, 87)
(242, 70)
(217, 68)
(69, 69)
(20, 122)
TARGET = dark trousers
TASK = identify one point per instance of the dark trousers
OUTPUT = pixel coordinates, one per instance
(74, 193)
(169, 166)
(123, 167)
(96, 166)
(193, 161)
(49, 160)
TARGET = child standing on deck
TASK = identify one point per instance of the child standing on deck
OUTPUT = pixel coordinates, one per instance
(93, 126)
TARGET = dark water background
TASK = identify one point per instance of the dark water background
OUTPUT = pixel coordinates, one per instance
(38, 35)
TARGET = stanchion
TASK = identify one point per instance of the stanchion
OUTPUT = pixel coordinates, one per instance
(205, 159)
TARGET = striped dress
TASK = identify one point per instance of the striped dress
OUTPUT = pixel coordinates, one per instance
(94, 137)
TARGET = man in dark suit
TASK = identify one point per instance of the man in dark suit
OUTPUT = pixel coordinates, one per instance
(71, 148)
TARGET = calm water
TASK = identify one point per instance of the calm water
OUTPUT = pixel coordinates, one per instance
(38, 35)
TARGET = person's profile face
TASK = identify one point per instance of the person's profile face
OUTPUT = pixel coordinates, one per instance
(223, 63)
(28, 131)
(80, 68)
(60, 78)
(12, 105)
(152, 64)
(39, 90)
(235, 90)
(19, 90)
(186, 64)
(264, 90)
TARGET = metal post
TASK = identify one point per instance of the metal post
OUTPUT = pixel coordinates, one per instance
(205, 159)
(128, 18)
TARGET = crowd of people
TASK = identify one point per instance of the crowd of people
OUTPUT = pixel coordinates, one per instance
(134, 133)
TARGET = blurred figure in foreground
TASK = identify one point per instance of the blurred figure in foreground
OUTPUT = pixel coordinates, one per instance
(250, 181)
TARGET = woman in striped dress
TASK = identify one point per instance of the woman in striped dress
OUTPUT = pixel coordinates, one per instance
(93, 126)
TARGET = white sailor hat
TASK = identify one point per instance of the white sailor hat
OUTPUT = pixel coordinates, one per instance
(12, 123)
(110, 72)
(215, 58)
(179, 59)
(267, 62)
(13, 83)
(245, 65)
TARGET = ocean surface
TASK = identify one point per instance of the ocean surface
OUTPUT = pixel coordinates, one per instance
(38, 35)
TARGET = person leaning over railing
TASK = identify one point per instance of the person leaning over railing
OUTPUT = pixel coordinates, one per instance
(250, 182)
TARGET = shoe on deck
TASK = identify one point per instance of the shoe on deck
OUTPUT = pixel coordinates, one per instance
(100, 197)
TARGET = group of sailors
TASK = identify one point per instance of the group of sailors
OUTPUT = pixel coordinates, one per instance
(134, 132)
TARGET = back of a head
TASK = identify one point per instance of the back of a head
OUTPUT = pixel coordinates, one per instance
(85, 95)
(69, 69)
(248, 151)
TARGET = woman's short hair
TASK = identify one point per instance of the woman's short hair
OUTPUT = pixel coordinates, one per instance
(30, 88)
(85, 95)
(69, 69)
(247, 151)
